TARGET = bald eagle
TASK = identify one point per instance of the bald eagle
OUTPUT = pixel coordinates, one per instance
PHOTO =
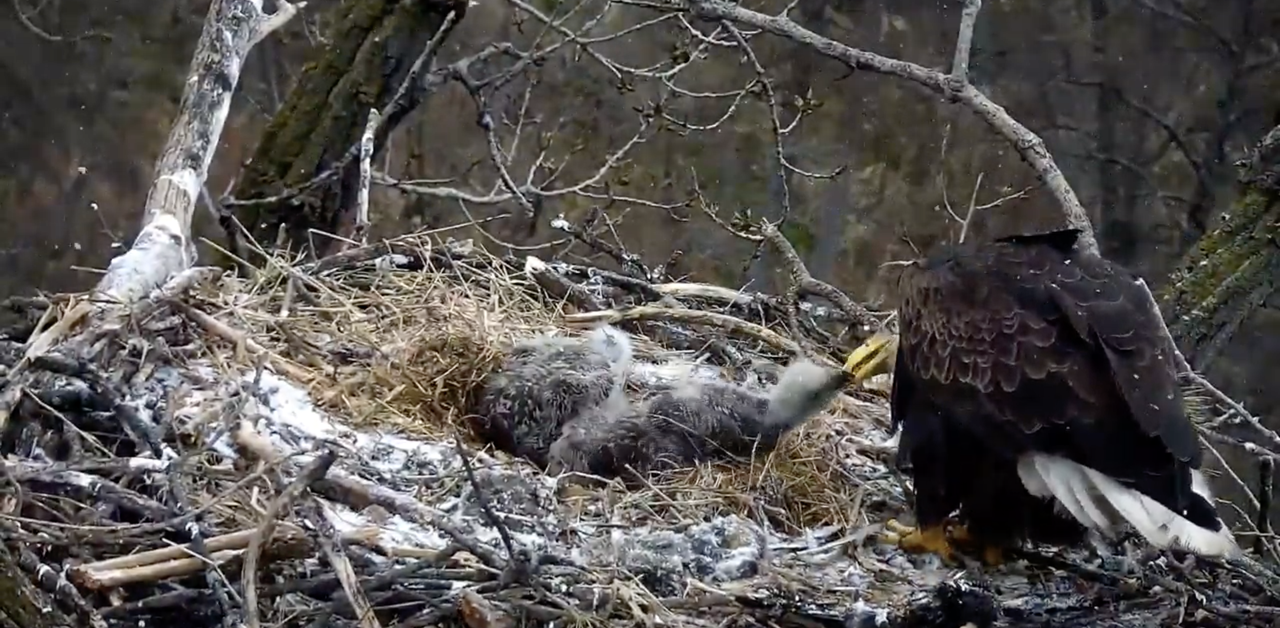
(1035, 397)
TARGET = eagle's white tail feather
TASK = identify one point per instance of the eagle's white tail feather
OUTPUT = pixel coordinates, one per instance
(1200, 485)
(1100, 503)
(1045, 476)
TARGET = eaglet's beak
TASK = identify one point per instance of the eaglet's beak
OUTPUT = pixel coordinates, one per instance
(874, 357)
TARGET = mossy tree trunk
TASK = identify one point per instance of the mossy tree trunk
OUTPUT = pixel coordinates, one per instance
(1232, 270)
(372, 47)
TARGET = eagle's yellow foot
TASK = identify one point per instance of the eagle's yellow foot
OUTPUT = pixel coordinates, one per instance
(929, 540)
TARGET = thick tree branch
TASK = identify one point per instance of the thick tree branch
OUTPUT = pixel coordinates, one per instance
(1027, 143)
(964, 41)
(163, 246)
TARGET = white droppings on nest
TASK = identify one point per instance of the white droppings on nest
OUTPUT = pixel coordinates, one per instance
(722, 550)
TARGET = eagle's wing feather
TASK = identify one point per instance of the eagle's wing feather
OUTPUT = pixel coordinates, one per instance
(1046, 339)
(1107, 306)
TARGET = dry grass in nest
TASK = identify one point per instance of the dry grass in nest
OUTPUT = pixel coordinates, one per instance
(407, 351)
(809, 481)
(404, 350)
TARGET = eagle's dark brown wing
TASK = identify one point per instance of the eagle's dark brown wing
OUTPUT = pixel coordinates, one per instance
(1047, 337)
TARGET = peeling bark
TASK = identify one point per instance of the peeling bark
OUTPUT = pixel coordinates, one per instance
(372, 52)
(1232, 270)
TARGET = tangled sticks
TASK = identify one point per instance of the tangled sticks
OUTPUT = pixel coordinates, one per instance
(562, 404)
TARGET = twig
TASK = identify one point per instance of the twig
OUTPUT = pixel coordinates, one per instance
(517, 568)
(341, 565)
(361, 233)
(973, 204)
(694, 317)
(1029, 145)
(313, 473)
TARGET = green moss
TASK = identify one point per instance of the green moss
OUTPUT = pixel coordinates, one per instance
(1221, 253)
(1226, 265)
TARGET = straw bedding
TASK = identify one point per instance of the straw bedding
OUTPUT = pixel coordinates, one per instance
(289, 449)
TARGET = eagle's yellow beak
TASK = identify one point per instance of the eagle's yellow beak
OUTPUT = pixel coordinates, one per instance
(874, 357)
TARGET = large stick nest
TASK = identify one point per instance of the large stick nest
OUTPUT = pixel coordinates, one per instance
(294, 443)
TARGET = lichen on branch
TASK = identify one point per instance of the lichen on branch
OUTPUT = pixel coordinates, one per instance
(1232, 270)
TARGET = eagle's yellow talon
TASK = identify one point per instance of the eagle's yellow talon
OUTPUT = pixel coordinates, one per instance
(897, 528)
(929, 540)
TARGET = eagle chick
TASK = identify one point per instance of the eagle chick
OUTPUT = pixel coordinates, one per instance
(696, 421)
(546, 381)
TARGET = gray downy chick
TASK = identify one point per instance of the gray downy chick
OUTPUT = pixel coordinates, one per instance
(695, 422)
(543, 383)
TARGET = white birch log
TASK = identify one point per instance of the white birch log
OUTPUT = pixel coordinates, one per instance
(163, 247)
(162, 251)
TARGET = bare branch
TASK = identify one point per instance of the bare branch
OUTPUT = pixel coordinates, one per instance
(731, 324)
(361, 234)
(1029, 145)
(973, 204)
(964, 41)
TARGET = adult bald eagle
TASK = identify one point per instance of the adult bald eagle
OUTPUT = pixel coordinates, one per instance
(1036, 396)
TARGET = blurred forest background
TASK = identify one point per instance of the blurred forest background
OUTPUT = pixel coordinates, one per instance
(1145, 104)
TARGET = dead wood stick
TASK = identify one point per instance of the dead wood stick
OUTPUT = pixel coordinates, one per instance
(361, 234)
(805, 283)
(249, 576)
(964, 41)
(694, 317)
(241, 338)
(706, 291)
(102, 579)
(337, 557)
(232, 541)
(359, 493)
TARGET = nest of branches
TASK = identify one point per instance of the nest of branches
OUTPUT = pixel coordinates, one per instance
(288, 449)
(403, 344)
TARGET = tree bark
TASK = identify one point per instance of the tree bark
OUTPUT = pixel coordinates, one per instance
(1232, 270)
(372, 51)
